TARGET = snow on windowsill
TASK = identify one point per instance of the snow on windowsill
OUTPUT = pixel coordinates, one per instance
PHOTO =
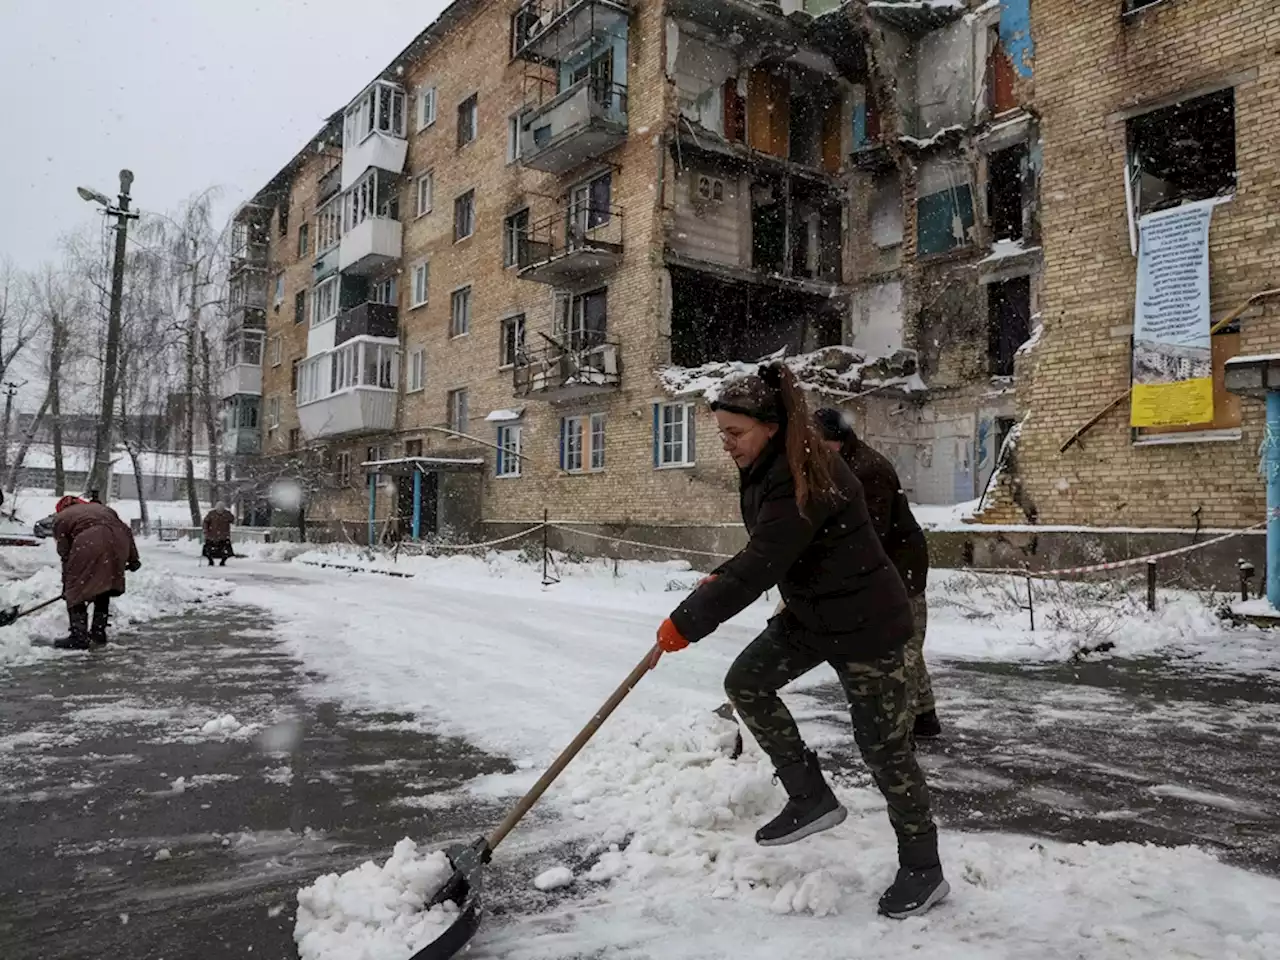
(937, 137)
(1004, 249)
(504, 416)
(1200, 436)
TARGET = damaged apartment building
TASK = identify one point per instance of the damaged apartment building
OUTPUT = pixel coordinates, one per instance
(497, 283)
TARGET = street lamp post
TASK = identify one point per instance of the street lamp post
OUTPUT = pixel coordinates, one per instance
(100, 474)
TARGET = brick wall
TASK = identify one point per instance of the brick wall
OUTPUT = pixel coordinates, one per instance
(1091, 65)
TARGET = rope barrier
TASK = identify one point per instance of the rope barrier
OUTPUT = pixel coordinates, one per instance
(637, 543)
(486, 544)
(1114, 565)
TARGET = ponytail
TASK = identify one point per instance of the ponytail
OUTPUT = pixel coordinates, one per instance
(807, 456)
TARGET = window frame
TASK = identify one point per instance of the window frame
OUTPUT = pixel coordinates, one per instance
(471, 106)
(318, 300)
(343, 468)
(464, 201)
(428, 102)
(509, 455)
(688, 441)
(277, 351)
(300, 306)
(421, 268)
(415, 370)
(461, 295)
(510, 238)
(520, 322)
(597, 446)
(515, 136)
(295, 370)
(457, 404)
(304, 239)
(273, 413)
(428, 180)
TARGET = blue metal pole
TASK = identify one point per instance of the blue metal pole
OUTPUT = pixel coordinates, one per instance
(373, 506)
(417, 504)
(1272, 445)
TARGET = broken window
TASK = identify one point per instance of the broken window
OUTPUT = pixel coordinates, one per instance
(1130, 6)
(768, 112)
(944, 206)
(1000, 75)
(1008, 322)
(768, 226)
(886, 212)
(1006, 173)
(1183, 153)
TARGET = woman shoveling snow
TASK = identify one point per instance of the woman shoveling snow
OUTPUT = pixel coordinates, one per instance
(845, 604)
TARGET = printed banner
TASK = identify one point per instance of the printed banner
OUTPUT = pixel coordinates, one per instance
(1172, 353)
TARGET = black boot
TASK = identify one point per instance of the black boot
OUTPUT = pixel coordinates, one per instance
(812, 806)
(919, 883)
(101, 617)
(78, 637)
(927, 726)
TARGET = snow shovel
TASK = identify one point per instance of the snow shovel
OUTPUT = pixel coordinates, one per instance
(13, 613)
(463, 887)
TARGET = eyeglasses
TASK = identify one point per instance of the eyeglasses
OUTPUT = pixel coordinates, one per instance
(734, 437)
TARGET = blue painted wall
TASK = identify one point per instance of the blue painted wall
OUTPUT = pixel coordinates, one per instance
(1015, 35)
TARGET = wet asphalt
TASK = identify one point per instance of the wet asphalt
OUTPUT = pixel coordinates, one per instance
(92, 746)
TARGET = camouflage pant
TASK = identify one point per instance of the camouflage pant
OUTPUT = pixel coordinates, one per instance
(917, 670)
(879, 703)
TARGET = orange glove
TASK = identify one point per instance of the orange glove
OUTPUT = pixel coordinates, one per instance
(705, 580)
(669, 638)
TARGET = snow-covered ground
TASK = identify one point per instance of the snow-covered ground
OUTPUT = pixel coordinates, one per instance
(477, 647)
(660, 819)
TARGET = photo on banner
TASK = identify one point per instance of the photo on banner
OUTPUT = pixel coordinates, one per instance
(1172, 349)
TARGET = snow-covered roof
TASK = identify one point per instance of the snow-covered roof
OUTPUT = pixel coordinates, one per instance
(841, 371)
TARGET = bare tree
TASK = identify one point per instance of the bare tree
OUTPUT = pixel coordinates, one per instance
(19, 323)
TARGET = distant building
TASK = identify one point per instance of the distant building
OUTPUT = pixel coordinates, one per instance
(163, 475)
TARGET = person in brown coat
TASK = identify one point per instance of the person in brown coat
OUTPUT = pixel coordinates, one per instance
(217, 534)
(96, 548)
(902, 539)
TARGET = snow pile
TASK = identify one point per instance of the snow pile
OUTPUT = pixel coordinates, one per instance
(553, 878)
(223, 724)
(151, 594)
(836, 370)
(375, 911)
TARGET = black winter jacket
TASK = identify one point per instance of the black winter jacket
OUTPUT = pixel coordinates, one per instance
(834, 575)
(901, 536)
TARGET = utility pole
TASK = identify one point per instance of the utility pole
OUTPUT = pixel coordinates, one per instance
(10, 391)
(100, 476)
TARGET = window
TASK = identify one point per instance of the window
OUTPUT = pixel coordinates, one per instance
(294, 436)
(468, 119)
(276, 351)
(417, 370)
(512, 340)
(413, 448)
(380, 109)
(581, 320)
(304, 240)
(282, 221)
(525, 22)
(1183, 153)
(590, 205)
(362, 363)
(311, 377)
(386, 290)
(371, 196)
(944, 206)
(460, 313)
(1132, 6)
(423, 190)
(293, 375)
(244, 347)
(597, 441)
(421, 284)
(273, 413)
(1008, 323)
(344, 469)
(324, 302)
(279, 295)
(464, 216)
(300, 306)
(673, 435)
(1006, 170)
(515, 229)
(329, 225)
(515, 124)
(582, 443)
(457, 402)
(508, 451)
(426, 107)
(241, 413)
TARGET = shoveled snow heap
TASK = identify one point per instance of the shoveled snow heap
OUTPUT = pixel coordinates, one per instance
(841, 371)
(668, 819)
(375, 911)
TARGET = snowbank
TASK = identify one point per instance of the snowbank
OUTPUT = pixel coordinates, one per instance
(152, 593)
(669, 820)
(837, 370)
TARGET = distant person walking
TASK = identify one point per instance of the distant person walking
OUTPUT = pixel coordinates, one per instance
(96, 548)
(217, 534)
(903, 541)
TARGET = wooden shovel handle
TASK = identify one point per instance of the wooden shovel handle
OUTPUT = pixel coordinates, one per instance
(529, 799)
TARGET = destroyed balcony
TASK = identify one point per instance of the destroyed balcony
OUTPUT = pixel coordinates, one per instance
(249, 255)
(559, 374)
(368, 320)
(248, 301)
(242, 442)
(568, 248)
(542, 30)
(585, 121)
(916, 17)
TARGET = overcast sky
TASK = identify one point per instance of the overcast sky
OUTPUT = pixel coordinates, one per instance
(186, 93)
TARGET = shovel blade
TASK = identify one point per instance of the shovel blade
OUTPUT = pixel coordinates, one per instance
(463, 890)
(8, 616)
